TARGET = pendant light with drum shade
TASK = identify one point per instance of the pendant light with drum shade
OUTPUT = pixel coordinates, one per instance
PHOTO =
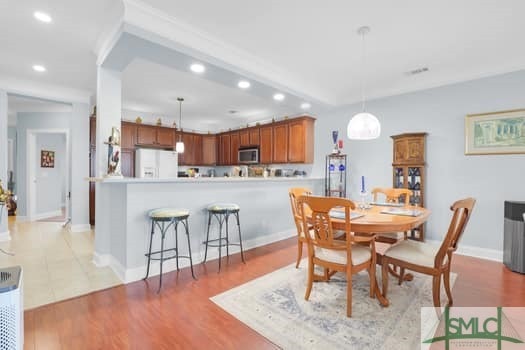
(179, 146)
(363, 125)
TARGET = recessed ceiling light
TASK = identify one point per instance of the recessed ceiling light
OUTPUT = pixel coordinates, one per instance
(243, 84)
(42, 17)
(278, 97)
(305, 105)
(197, 68)
(39, 68)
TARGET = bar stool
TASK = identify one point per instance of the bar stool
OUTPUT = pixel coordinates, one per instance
(222, 212)
(164, 218)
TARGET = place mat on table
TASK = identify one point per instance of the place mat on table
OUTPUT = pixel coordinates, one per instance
(387, 204)
(336, 214)
(402, 211)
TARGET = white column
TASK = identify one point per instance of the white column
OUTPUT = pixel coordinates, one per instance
(79, 168)
(109, 109)
(4, 231)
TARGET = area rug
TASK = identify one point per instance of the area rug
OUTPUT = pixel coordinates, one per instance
(274, 306)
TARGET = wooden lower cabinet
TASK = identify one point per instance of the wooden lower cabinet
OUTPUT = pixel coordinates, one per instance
(266, 144)
(127, 162)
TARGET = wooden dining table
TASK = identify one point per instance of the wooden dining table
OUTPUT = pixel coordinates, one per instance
(374, 222)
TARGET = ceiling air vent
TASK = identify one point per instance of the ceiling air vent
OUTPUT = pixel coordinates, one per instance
(417, 71)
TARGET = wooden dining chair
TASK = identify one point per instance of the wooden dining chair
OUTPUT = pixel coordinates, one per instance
(294, 193)
(427, 258)
(393, 195)
(354, 254)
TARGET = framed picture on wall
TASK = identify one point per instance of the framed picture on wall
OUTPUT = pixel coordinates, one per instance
(47, 159)
(495, 133)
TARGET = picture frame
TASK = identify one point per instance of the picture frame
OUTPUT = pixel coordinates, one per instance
(500, 132)
(47, 159)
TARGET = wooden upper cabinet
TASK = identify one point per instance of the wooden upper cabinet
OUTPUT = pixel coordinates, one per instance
(280, 143)
(301, 140)
(409, 148)
(254, 136)
(224, 149)
(266, 144)
(188, 157)
(244, 136)
(197, 149)
(165, 137)
(234, 148)
(128, 135)
(148, 135)
(209, 150)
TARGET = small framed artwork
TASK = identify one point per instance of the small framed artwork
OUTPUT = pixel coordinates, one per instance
(495, 133)
(47, 159)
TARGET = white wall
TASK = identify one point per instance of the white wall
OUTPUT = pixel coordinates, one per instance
(491, 179)
(50, 182)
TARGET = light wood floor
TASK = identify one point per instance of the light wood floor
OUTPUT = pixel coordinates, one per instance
(134, 316)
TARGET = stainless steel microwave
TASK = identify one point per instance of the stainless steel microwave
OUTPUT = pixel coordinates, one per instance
(248, 155)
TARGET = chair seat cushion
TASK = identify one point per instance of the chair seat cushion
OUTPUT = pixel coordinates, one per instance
(417, 253)
(393, 235)
(223, 207)
(168, 213)
(360, 254)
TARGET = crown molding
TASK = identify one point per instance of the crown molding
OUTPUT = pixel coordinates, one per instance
(32, 88)
(205, 46)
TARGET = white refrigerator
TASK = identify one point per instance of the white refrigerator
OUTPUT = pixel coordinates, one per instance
(156, 163)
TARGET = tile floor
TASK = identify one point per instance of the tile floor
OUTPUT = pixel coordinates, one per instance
(56, 263)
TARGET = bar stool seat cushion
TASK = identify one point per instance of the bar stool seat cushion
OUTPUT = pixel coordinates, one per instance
(220, 207)
(168, 213)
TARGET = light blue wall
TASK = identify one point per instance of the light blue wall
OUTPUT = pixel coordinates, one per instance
(51, 182)
(33, 121)
(441, 111)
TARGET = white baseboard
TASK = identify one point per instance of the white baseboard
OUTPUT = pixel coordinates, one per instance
(477, 252)
(137, 273)
(48, 214)
(5, 236)
(80, 228)
(101, 260)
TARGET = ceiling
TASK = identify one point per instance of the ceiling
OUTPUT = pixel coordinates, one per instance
(154, 88)
(315, 44)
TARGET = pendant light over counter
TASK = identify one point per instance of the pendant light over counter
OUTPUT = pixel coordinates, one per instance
(179, 146)
(363, 125)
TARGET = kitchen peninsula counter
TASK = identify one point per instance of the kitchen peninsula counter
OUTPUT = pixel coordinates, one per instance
(122, 226)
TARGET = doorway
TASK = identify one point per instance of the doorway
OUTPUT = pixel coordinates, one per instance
(48, 180)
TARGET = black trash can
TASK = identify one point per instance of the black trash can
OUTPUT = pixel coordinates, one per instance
(514, 236)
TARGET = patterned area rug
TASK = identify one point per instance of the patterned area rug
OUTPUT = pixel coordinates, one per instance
(274, 306)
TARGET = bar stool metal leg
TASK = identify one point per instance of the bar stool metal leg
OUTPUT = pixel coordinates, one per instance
(240, 239)
(220, 241)
(185, 223)
(226, 218)
(177, 243)
(207, 237)
(150, 243)
(163, 233)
